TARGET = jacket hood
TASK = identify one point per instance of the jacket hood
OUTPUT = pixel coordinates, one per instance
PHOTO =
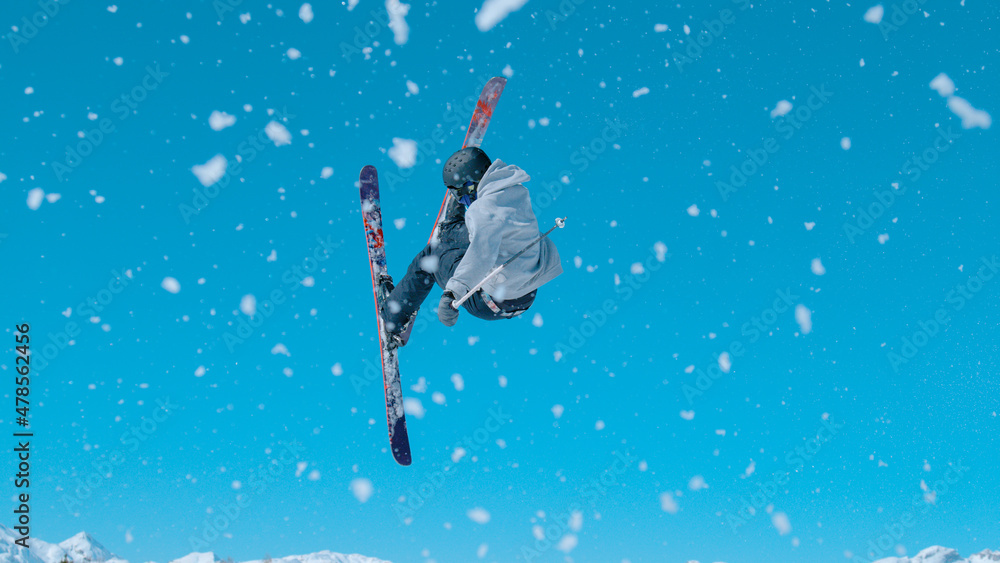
(500, 176)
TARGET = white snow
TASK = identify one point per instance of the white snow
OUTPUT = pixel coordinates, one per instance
(780, 521)
(199, 371)
(278, 134)
(293, 53)
(326, 172)
(803, 316)
(537, 320)
(697, 483)
(782, 107)
(2, 176)
(687, 415)
(248, 305)
(429, 263)
(971, 117)
(337, 369)
(306, 12)
(637, 268)
(567, 543)
(943, 84)
(508, 71)
(817, 267)
(557, 410)
(478, 515)
(210, 172)
(660, 249)
(457, 381)
(412, 87)
(403, 152)
(725, 362)
(660, 27)
(170, 284)
(280, 348)
(640, 92)
(362, 489)
(874, 14)
(845, 143)
(494, 11)
(399, 223)
(667, 503)
(576, 520)
(397, 20)
(693, 210)
(35, 197)
(219, 120)
(413, 407)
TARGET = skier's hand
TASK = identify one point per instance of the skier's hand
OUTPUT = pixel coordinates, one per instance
(447, 314)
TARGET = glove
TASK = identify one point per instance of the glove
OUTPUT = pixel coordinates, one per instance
(447, 314)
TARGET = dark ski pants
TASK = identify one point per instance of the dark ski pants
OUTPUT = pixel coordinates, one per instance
(453, 241)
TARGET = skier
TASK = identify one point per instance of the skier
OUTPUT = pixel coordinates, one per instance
(488, 220)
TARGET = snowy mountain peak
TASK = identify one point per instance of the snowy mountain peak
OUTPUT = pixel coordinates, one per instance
(939, 554)
(82, 548)
(196, 557)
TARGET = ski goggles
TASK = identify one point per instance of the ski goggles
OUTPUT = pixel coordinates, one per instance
(467, 198)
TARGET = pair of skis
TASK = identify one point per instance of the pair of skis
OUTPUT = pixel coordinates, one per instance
(371, 213)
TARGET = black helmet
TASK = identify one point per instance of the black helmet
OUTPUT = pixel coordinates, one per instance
(464, 169)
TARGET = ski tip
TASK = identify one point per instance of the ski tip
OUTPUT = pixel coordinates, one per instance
(402, 458)
(368, 170)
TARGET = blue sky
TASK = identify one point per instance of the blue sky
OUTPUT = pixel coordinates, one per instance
(630, 169)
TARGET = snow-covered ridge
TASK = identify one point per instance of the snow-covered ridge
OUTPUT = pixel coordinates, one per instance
(82, 548)
(938, 554)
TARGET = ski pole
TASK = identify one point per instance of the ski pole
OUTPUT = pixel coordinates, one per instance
(560, 222)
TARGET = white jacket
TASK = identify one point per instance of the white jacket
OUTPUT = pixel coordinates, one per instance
(501, 223)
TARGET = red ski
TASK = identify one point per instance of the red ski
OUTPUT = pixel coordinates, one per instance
(371, 212)
(477, 130)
